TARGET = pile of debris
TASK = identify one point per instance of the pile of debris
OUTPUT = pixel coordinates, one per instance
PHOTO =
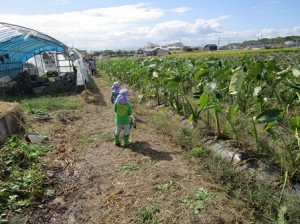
(12, 119)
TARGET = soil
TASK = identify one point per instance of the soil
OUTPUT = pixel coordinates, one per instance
(152, 181)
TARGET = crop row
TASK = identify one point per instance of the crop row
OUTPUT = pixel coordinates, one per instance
(250, 96)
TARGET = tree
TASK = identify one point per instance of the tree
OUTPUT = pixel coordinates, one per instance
(187, 49)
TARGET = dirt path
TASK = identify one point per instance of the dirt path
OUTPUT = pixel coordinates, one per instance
(97, 182)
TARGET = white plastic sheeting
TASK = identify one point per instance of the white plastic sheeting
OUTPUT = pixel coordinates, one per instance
(82, 73)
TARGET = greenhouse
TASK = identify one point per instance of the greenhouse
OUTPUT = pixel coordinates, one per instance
(28, 54)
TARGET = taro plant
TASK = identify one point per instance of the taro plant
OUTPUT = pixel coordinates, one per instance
(175, 93)
(236, 85)
(231, 112)
(269, 117)
(195, 111)
(256, 82)
(255, 133)
(213, 103)
(295, 125)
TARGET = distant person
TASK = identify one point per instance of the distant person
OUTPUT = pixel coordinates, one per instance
(92, 66)
(123, 116)
(115, 89)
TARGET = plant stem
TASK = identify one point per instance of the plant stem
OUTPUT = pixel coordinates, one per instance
(255, 134)
(284, 184)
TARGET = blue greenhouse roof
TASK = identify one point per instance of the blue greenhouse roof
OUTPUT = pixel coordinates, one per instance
(18, 44)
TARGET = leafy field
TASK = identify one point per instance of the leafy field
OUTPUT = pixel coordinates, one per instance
(251, 97)
(249, 94)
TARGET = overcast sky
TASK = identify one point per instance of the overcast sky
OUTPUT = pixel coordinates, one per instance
(128, 24)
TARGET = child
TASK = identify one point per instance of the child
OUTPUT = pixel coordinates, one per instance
(115, 89)
(123, 116)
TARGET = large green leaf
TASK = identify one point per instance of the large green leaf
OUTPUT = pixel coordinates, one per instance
(284, 72)
(255, 69)
(271, 125)
(172, 85)
(271, 65)
(191, 118)
(155, 74)
(295, 123)
(152, 66)
(232, 111)
(236, 82)
(296, 72)
(202, 102)
(200, 73)
(257, 91)
(270, 115)
(176, 78)
(224, 75)
(210, 87)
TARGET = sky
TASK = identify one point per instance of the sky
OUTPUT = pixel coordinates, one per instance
(95, 25)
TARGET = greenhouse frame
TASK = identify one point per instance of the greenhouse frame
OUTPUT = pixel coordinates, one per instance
(26, 50)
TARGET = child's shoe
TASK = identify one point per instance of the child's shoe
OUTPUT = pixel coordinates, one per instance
(127, 141)
(117, 140)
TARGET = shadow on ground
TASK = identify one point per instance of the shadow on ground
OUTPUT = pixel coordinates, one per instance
(145, 149)
(98, 98)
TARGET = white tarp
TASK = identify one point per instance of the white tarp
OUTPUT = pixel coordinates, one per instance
(82, 75)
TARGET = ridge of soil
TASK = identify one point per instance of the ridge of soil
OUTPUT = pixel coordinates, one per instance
(92, 186)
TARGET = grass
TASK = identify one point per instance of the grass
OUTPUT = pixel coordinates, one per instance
(260, 198)
(198, 201)
(185, 138)
(159, 120)
(87, 138)
(50, 104)
(197, 151)
(256, 200)
(164, 187)
(128, 168)
(146, 214)
(45, 103)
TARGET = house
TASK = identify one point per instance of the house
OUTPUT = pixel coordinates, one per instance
(160, 51)
(104, 56)
(176, 47)
(150, 46)
(290, 43)
(210, 47)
